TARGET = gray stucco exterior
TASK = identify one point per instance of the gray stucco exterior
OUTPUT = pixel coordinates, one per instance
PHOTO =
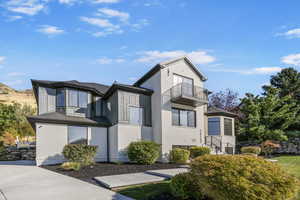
(109, 114)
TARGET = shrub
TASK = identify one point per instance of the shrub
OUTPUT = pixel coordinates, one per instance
(71, 166)
(251, 149)
(81, 153)
(180, 156)
(143, 152)
(241, 178)
(183, 187)
(268, 147)
(199, 151)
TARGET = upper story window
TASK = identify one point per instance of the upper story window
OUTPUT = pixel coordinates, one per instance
(77, 135)
(98, 106)
(186, 85)
(60, 97)
(214, 126)
(77, 98)
(135, 115)
(228, 126)
(183, 117)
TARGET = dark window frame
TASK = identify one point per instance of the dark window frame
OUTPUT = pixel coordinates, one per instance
(179, 116)
(68, 133)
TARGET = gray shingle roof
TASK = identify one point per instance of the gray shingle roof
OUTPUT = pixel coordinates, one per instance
(60, 118)
(219, 111)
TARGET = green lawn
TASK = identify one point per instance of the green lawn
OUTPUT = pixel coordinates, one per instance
(290, 163)
(143, 192)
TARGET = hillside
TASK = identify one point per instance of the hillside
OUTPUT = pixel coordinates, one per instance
(9, 95)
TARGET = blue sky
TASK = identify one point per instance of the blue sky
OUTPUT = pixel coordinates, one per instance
(236, 44)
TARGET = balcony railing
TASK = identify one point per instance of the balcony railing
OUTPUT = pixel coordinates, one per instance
(189, 94)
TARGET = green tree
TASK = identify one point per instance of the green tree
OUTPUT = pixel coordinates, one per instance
(267, 117)
(13, 119)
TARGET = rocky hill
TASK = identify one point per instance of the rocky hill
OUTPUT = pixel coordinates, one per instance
(9, 95)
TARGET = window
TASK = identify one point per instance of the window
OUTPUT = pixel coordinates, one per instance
(60, 98)
(214, 126)
(183, 117)
(98, 106)
(77, 135)
(82, 99)
(78, 98)
(135, 115)
(228, 126)
(185, 83)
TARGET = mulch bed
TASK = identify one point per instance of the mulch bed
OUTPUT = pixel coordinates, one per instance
(105, 169)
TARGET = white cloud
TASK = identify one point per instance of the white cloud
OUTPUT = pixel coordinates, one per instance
(251, 71)
(293, 33)
(105, 60)
(140, 24)
(69, 2)
(2, 59)
(292, 59)
(50, 30)
(13, 74)
(123, 47)
(27, 7)
(123, 16)
(103, 23)
(14, 18)
(106, 1)
(197, 57)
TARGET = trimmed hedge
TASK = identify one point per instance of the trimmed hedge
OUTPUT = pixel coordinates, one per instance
(199, 151)
(183, 186)
(81, 153)
(143, 152)
(251, 150)
(179, 156)
(241, 177)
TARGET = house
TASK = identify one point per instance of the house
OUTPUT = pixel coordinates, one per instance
(168, 105)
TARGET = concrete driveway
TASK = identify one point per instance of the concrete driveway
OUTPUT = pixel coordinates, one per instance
(19, 182)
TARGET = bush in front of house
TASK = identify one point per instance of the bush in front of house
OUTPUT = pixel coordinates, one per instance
(80, 153)
(143, 152)
(71, 166)
(183, 186)
(199, 151)
(179, 156)
(251, 150)
(241, 177)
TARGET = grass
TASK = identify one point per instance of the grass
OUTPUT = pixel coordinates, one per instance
(292, 165)
(143, 192)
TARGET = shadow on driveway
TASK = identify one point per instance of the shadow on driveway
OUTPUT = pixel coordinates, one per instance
(18, 162)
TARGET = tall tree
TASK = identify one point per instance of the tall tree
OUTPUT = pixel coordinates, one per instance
(227, 100)
(267, 117)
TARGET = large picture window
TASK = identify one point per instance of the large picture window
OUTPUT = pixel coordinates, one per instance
(182, 117)
(77, 135)
(77, 98)
(135, 115)
(214, 126)
(184, 83)
(228, 126)
(98, 106)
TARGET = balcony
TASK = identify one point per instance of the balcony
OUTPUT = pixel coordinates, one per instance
(188, 94)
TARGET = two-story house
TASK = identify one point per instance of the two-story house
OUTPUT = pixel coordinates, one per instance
(168, 105)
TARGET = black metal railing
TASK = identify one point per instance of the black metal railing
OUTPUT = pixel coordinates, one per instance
(214, 143)
(189, 90)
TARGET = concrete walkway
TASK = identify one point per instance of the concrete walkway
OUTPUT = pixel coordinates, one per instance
(19, 182)
(122, 180)
(151, 176)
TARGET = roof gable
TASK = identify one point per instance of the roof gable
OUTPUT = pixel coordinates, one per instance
(164, 64)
